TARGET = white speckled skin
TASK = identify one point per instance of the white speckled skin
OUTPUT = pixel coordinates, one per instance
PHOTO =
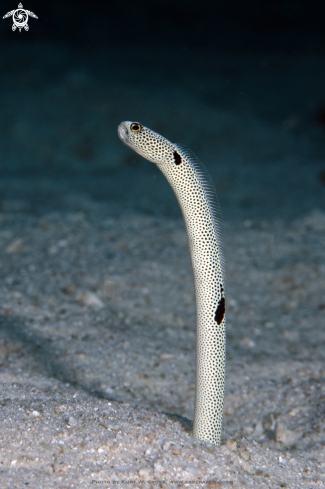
(197, 198)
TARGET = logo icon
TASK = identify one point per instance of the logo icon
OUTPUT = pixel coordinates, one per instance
(20, 18)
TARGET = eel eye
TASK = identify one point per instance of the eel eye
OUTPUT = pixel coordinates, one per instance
(135, 127)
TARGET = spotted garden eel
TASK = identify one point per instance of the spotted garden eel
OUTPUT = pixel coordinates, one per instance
(198, 201)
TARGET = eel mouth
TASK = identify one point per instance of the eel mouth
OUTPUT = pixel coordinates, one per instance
(123, 132)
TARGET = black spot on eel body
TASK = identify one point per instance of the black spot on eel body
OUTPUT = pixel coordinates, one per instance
(221, 308)
(177, 158)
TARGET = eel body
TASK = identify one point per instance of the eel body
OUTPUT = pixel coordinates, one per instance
(198, 201)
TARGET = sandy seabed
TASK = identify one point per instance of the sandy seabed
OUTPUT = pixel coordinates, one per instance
(97, 353)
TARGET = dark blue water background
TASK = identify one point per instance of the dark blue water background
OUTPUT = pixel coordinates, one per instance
(241, 83)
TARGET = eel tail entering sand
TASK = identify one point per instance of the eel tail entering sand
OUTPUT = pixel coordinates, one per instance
(198, 201)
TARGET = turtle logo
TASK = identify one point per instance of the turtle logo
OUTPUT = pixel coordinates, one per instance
(20, 18)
